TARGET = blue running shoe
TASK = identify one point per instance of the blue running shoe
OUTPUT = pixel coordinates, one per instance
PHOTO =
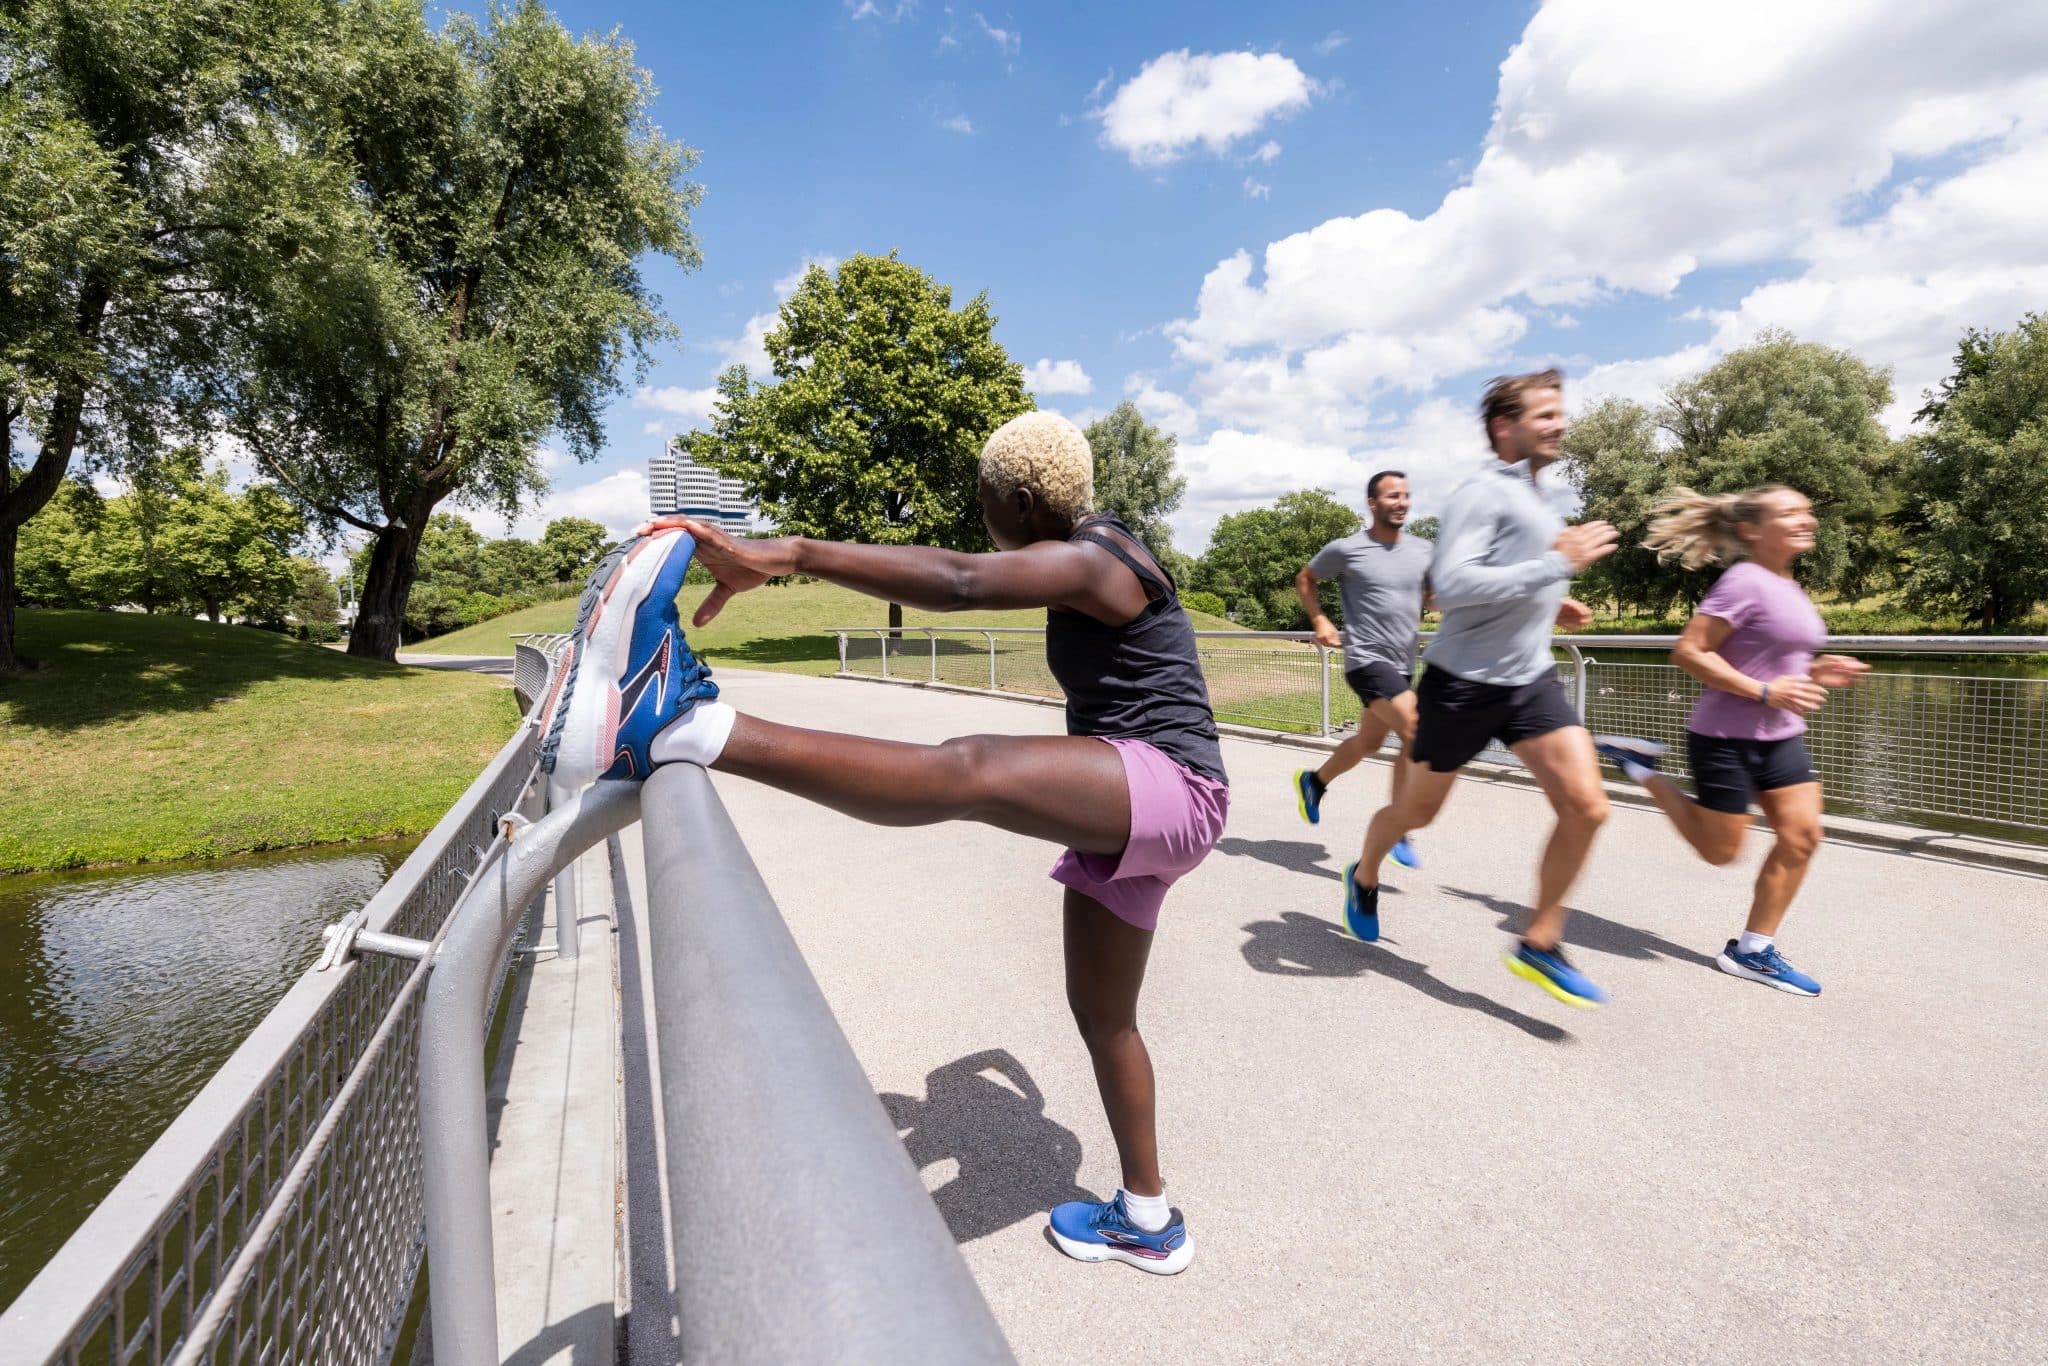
(628, 671)
(1627, 749)
(1361, 907)
(1548, 969)
(1768, 966)
(1103, 1232)
(1404, 854)
(1308, 795)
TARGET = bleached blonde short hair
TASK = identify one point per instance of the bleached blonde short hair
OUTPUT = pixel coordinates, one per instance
(1045, 453)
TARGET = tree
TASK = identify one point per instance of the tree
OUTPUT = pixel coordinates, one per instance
(1975, 512)
(228, 552)
(1253, 557)
(573, 546)
(873, 428)
(314, 606)
(1134, 475)
(1780, 411)
(470, 284)
(127, 134)
(514, 568)
(1424, 527)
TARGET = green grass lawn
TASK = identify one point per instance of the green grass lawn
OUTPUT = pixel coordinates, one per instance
(783, 626)
(149, 738)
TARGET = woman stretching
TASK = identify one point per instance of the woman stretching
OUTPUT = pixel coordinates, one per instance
(1752, 644)
(1135, 790)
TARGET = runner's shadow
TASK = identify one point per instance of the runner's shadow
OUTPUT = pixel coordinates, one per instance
(1589, 931)
(1301, 945)
(987, 1114)
(1296, 856)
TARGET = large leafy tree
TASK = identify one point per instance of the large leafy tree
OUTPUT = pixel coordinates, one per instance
(1780, 411)
(882, 397)
(133, 140)
(1134, 473)
(470, 285)
(571, 546)
(1975, 510)
(1253, 557)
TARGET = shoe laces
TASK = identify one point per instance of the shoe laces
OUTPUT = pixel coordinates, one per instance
(1772, 959)
(1115, 1216)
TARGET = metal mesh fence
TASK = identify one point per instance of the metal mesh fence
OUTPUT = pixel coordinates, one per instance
(340, 1252)
(1964, 751)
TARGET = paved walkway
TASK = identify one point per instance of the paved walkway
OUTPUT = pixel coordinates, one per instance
(1401, 1152)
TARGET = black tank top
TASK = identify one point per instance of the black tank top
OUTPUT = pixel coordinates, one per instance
(1141, 680)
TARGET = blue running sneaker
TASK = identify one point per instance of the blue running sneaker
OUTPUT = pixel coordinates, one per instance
(1308, 795)
(1092, 1231)
(1621, 750)
(1361, 907)
(627, 672)
(1548, 969)
(1768, 966)
(1404, 854)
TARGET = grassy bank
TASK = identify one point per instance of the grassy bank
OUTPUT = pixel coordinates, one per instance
(150, 738)
(779, 627)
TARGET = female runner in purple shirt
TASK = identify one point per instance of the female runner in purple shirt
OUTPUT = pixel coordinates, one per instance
(1752, 644)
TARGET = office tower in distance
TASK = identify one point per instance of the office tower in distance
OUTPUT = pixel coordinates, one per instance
(676, 483)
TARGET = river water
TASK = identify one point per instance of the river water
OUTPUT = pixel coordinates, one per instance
(123, 992)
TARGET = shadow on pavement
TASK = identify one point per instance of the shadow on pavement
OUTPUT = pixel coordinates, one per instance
(1588, 931)
(1296, 856)
(1300, 945)
(986, 1113)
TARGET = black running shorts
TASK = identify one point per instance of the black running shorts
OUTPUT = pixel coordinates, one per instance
(1455, 717)
(1727, 774)
(1373, 680)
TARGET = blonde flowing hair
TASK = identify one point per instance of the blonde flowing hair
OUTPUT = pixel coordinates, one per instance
(1699, 529)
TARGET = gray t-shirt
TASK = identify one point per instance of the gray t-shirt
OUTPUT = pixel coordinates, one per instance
(1496, 579)
(1381, 586)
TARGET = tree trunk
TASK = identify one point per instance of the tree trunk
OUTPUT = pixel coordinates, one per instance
(895, 621)
(9, 661)
(380, 612)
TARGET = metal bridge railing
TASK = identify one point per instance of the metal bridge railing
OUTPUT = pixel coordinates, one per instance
(1967, 751)
(278, 1217)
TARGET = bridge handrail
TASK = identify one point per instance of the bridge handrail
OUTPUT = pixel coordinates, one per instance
(140, 1272)
(1907, 645)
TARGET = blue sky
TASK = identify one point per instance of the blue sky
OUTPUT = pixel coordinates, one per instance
(1302, 235)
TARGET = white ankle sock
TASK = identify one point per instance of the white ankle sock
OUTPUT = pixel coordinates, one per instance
(1148, 1212)
(698, 738)
(1752, 943)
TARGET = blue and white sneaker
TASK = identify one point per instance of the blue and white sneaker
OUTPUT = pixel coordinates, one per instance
(628, 672)
(1768, 966)
(1308, 795)
(1092, 1231)
(1361, 907)
(1622, 750)
(1404, 854)
(1548, 969)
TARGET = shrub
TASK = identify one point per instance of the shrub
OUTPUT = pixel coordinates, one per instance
(1196, 600)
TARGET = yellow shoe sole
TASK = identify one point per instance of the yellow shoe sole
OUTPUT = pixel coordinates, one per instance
(1529, 974)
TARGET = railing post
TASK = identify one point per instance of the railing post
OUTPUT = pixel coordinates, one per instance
(565, 898)
(933, 637)
(883, 637)
(990, 636)
(833, 1250)
(1323, 668)
(1578, 680)
(842, 650)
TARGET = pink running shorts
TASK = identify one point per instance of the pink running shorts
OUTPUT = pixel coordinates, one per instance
(1176, 818)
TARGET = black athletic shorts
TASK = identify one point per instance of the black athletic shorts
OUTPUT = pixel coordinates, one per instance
(1373, 680)
(1726, 774)
(1455, 717)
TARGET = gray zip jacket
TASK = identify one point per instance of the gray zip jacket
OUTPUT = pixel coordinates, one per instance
(1497, 579)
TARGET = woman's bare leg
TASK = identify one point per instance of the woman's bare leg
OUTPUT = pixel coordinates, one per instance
(1067, 789)
(1105, 968)
(1715, 836)
(1794, 813)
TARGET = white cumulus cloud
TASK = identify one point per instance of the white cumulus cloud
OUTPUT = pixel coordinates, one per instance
(1057, 377)
(958, 123)
(617, 502)
(1180, 100)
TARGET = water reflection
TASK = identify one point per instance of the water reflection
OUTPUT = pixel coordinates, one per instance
(120, 994)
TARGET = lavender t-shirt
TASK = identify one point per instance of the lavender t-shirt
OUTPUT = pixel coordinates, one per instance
(1777, 630)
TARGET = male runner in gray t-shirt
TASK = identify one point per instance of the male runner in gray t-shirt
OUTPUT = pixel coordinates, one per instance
(1503, 560)
(1382, 577)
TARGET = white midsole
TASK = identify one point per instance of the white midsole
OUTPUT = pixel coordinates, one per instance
(1735, 969)
(585, 750)
(1171, 1263)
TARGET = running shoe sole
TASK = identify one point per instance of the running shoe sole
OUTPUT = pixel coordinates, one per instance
(1301, 799)
(1350, 895)
(588, 724)
(1541, 979)
(1170, 1264)
(1735, 969)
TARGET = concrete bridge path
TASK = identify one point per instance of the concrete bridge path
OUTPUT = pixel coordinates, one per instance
(1400, 1152)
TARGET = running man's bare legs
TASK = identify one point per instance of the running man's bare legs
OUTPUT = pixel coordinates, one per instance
(1419, 793)
(1105, 969)
(1383, 715)
(1067, 789)
(1794, 813)
(1565, 766)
